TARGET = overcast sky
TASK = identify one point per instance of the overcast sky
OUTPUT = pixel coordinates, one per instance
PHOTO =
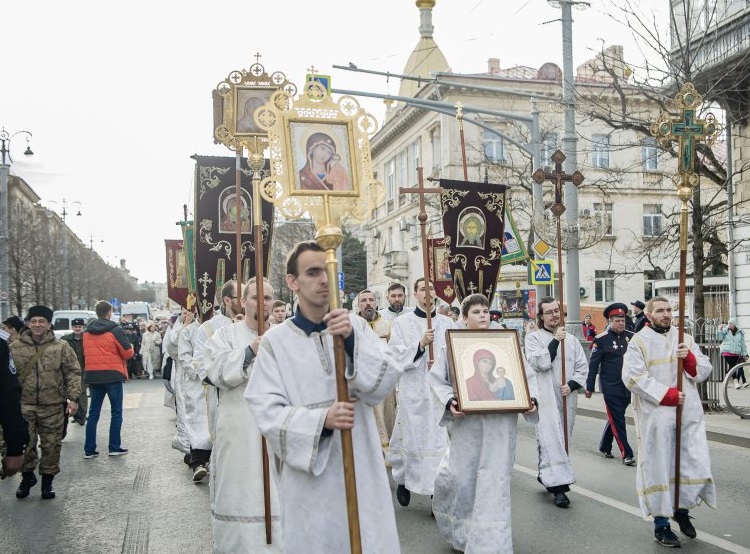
(118, 95)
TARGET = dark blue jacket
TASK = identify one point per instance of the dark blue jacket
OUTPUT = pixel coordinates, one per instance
(607, 354)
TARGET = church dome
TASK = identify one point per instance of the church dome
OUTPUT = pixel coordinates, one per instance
(426, 58)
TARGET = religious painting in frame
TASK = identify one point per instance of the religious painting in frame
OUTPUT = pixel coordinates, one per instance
(487, 371)
(247, 100)
(322, 161)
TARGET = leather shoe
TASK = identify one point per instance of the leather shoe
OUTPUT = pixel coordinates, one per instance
(683, 520)
(561, 500)
(403, 495)
(629, 461)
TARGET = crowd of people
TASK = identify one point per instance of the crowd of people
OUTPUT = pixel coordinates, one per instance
(254, 371)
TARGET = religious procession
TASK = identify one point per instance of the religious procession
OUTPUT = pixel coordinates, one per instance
(427, 403)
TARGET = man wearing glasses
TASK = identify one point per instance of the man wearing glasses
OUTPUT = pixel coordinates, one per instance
(544, 354)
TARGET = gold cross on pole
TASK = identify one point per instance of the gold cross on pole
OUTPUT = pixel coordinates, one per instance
(421, 191)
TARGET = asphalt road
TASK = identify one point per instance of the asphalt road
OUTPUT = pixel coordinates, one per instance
(146, 501)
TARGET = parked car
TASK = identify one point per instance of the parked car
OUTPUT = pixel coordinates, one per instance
(61, 320)
(136, 309)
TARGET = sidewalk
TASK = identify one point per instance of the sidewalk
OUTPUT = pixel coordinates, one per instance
(724, 427)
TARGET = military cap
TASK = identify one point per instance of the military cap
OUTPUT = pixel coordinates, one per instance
(638, 304)
(618, 308)
(14, 322)
(40, 311)
(78, 321)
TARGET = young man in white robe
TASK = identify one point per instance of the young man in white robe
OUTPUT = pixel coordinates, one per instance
(472, 490)
(181, 440)
(237, 458)
(543, 353)
(650, 373)
(226, 310)
(194, 394)
(292, 394)
(396, 296)
(418, 442)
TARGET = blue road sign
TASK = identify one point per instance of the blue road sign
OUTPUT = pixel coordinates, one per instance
(341, 280)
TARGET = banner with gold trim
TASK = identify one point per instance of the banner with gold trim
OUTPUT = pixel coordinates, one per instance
(177, 279)
(440, 271)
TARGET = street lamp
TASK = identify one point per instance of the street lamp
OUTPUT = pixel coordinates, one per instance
(66, 276)
(5, 138)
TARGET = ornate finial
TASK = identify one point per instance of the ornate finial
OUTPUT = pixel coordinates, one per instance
(257, 57)
(459, 111)
(311, 70)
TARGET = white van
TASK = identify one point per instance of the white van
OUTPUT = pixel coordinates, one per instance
(136, 309)
(62, 319)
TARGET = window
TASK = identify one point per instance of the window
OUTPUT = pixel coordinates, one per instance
(649, 153)
(600, 151)
(436, 158)
(649, 283)
(652, 220)
(415, 158)
(401, 171)
(390, 179)
(604, 286)
(549, 145)
(605, 207)
(493, 148)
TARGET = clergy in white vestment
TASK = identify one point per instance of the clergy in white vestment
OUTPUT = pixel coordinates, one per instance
(543, 355)
(196, 417)
(471, 501)
(650, 373)
(181, 440)
(292, 394)
(226, 308)
(418, 442)
(237, 458)
(396, 296)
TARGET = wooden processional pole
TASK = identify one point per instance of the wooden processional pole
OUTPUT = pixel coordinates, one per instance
(256, 162)
(558, 177)
(688, 130)
(329, 237)
(420, 190)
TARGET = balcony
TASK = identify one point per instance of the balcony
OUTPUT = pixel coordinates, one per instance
(396, 265)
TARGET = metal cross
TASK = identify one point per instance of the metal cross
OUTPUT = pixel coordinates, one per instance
(558, 177)
(257, 57)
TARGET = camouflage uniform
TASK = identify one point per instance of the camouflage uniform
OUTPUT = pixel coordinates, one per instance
(83, 404)
(46, 388)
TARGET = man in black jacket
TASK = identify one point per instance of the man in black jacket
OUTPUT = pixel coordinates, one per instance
(75, 340)
(15, 428)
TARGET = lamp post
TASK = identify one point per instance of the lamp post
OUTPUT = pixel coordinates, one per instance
(5, 138)
(66, 268)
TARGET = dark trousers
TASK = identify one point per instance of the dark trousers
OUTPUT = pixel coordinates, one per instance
(732, 361)
(199, 457)
(615, 427)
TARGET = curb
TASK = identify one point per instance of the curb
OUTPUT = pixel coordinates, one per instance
(724, 438)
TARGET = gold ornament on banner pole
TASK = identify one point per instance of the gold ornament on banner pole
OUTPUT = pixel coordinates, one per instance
(320, 165)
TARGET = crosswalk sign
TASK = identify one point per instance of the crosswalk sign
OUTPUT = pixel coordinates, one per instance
(542, 272)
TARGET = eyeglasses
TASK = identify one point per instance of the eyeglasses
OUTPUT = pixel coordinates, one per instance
(550, 312)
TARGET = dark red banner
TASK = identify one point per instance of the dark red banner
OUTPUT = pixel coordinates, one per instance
(177, 275)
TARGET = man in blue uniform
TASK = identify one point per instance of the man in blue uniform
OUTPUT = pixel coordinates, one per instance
(607, 353)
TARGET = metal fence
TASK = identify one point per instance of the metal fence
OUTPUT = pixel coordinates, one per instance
(704, 331)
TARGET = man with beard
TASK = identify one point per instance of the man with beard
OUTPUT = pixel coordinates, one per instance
(543, 353)
(418, 442)
(368, 309)
(236, 477)
(292, 394)
(650, 373)
(206, 398)
(396, 300)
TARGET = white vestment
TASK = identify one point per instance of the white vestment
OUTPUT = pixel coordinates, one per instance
(649, 370)
(204, 333)
(555, 468)
(181, 440)
(472, 489)
(196, 413)
(418, 442)
(390, 316)
(292, 385)
(237, 457)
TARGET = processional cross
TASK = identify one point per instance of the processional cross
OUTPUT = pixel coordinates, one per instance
(559, 177)
(688, 130)
(420, 191)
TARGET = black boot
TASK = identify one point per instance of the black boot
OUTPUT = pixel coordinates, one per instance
(28, 480)
(47, 491)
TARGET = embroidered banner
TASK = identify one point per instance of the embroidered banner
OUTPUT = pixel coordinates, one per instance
(177, 290)
(513, 248)
(216, 209)
(474, 227)
(440, 271)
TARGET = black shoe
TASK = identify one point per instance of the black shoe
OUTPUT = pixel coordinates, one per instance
(28, 480)
(665, 537)
(48, 492)
(629, 461)
(561, 500)
(199, 473)
(607, 455)
(186, 459)
(403, 495)
(683, 520)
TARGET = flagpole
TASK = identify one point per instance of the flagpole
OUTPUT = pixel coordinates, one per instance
(460, 119)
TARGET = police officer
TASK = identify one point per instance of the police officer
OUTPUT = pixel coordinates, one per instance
(15, 428)
(607, 353)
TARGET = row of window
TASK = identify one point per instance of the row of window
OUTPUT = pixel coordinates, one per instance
(400, 167)
(604, 284)
(494, 150)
